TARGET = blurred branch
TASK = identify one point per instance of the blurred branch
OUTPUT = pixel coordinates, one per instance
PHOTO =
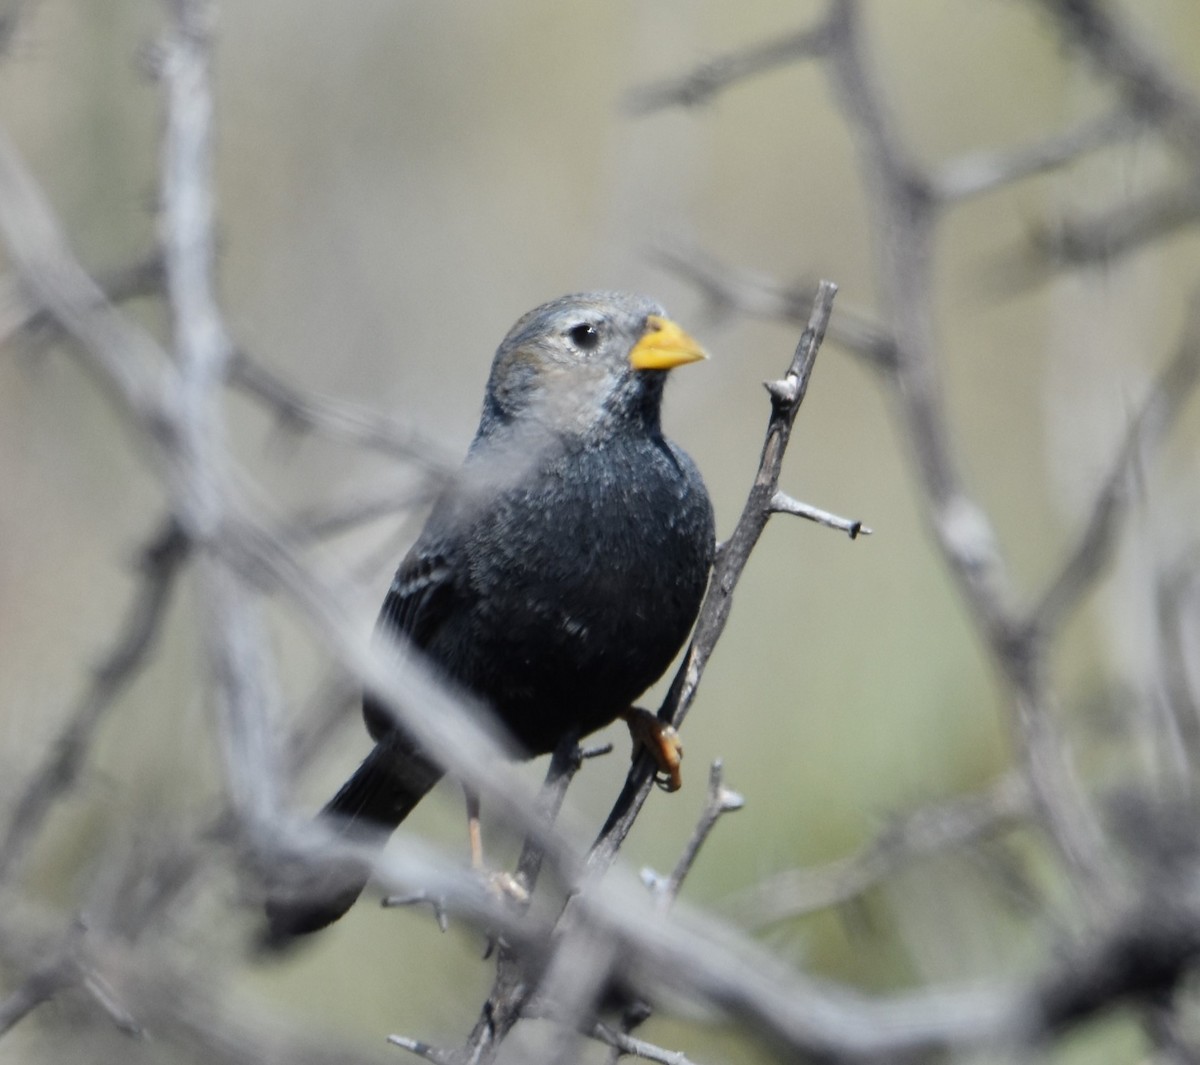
(716, 75)
(906, 212)
(160, 562)
(304, 411)
(728, 291)
(230, 625)
(11, 13)
(921, 833)
(21, 313)
(1122, 228)
(984, 172)
(1086, 560)
(1143, 78)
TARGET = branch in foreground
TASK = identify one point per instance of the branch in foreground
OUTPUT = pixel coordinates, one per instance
(718, 802)
(20, 313)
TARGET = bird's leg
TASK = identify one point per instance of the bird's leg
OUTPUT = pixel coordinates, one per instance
(500, 882)
(473, 832)
(661, 741)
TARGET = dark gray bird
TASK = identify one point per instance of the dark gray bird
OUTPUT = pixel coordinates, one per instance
(563, 571)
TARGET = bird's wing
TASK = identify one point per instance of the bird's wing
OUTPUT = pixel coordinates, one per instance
(422, 595)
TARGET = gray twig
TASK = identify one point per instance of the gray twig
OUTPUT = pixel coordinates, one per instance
(928, 830)
(718, 74)
(787, 394)
(160, 563)
(782, 503)
(1158, 413)
(719, 801)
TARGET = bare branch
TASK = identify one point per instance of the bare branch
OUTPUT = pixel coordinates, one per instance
(718, 74)
(906, 211)
(39, 987)
(787, 395)
(1087, 558)
(727, 290)
(928, 830)
(984, 172)
(19, 312)
(782, 503)
(718, 802)
(424, 1050)
(1143, 78)
(160, 564)
(626, 1044)
(344, 422)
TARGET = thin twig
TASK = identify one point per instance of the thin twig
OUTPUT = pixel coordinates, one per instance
(984, 172)
(303, 411)
(929, 830)
(782, 503)
(20, 313)
(901, 195)
(720, 73)
(1158, 413)
(719, 801)
(160, 563)
(426, 1051)
(728, 290)
(787, 394)
(625, 1044)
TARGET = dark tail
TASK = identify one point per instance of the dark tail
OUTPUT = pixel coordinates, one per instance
(382, 792)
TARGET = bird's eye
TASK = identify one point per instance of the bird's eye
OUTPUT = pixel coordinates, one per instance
(584, 336)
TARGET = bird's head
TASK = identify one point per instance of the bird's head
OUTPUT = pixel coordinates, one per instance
(586, 366)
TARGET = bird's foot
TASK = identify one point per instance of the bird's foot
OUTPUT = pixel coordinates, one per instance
(507, 889)
(436, 902)
(504, 886)
(661, 741)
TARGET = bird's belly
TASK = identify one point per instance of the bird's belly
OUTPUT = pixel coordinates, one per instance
(568, 651)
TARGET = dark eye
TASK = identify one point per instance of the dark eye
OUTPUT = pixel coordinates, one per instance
(584, 336)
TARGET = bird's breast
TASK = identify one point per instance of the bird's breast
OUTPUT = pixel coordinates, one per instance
(586, 580)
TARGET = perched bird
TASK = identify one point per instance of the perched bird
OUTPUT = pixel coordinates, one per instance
(558, 576)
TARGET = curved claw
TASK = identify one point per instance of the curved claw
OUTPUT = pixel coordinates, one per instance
(663, 744)
(667, 781)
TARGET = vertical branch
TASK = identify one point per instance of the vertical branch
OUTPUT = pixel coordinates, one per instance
(231, 627)
(906, 212)
(787, 394)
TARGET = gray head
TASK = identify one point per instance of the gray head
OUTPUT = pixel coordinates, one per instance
(584, 364)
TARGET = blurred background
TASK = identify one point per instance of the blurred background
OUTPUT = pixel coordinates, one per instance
(397, 182)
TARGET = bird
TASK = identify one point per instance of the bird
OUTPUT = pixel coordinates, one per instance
(557, 576)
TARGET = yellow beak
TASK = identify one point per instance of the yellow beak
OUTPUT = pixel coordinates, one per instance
(663, 346)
